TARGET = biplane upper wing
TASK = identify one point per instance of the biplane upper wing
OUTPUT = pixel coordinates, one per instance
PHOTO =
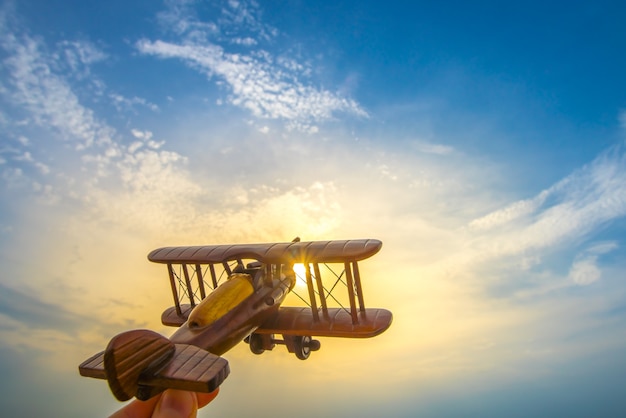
(275, 253)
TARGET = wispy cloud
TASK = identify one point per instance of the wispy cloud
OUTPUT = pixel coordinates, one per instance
(34, 85)
(37, 88)
(430, 148)
(267, 86)
(510, 213)
(585, 269)
(579, 204)
(33, 312)
(124, 103)
(80, 55)
(132, 178)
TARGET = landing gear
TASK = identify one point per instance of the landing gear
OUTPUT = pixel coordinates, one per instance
(302, 345)
(302, 349)
(260, 342)
(256, 344)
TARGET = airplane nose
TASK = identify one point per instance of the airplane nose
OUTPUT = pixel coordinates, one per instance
(221, 301)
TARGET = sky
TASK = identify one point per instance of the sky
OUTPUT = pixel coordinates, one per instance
(483, 144)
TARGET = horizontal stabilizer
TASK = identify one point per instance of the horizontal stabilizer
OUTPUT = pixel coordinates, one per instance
(171, 318)
(139, 363)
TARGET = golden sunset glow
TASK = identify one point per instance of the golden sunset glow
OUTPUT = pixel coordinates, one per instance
(489, 159)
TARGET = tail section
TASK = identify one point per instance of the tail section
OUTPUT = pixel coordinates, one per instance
(142, 363)
(131, 354)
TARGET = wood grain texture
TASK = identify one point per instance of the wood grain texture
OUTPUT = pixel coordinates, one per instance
(171, 318)
(338, 323)
(93, 367)
(271, 253)
(131, 354)
(192, 368)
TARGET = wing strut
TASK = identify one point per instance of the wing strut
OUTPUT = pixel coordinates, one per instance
(227, 268)
(200, 281)
(353, 312)
(213, 276)
(309, 285)
(357, 282)
(320, 289)
(174, 292)
(188, 284)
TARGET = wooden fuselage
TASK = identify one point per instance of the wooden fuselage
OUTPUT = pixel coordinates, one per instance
(238, 322)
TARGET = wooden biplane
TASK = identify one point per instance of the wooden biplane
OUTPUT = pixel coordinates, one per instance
(234, 293)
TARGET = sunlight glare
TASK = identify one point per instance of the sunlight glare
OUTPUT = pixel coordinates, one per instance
(300, 271)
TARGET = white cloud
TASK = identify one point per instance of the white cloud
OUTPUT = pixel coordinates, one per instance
(244, 17)
(386, 172)
(100, 163)
(602, 247)
(43, 168)
(256, 86)
(510, 213)
(80, 55)
(155, 144)
(571, 209)
(244, 41)
(430, 148)
(585, 271)
(22, 157)
(141, 134)
(124, 103)
(135, 146)
(313, 129)
(25, 157)
(268, 87)
(14, 177)
(35, 86)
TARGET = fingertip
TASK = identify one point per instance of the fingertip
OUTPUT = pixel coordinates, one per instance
(205, 398)
(137, 408)
(176, 404)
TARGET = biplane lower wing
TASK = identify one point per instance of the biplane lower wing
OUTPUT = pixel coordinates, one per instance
(336, 322)
(186, 367)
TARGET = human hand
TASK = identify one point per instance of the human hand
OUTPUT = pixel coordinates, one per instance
(170, 404)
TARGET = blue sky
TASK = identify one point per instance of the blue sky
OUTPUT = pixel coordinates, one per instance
(482, 143)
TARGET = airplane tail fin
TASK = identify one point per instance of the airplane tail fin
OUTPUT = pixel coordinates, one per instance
(142, 363)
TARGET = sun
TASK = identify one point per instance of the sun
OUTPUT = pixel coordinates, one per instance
(300, 271)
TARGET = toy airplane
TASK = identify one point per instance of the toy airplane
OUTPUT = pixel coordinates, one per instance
(244, 305)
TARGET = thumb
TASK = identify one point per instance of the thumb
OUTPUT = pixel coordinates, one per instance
(176, 404)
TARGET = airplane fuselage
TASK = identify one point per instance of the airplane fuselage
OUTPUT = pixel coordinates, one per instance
(234, 323)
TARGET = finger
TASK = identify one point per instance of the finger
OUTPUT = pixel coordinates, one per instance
(137, 409)
(205, 398)
(176, 404)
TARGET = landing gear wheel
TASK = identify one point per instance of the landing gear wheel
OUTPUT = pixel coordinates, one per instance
(302, 347)
(256, 344)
